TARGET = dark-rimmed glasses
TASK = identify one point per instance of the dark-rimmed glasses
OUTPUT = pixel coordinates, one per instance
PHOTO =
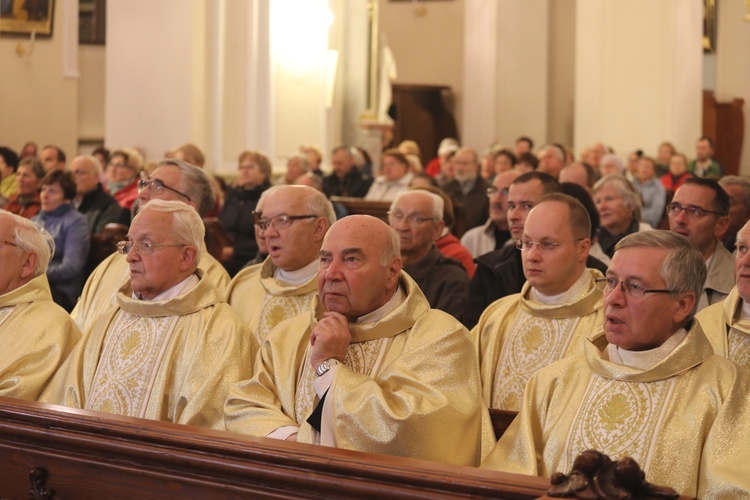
(279, 221)
(692, 211)
(157, 187)
(607, 285)
(143, 247)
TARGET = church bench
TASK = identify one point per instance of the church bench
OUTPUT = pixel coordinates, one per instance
(93, 455)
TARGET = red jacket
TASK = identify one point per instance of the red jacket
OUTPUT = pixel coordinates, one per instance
(451, 247)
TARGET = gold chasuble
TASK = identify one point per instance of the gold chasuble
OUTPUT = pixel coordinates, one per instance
(409, 386)
(170, 360)
(280, 301)
(100, 291)
(36, 335)
(517, 336)
(685, 420)
(729, 335)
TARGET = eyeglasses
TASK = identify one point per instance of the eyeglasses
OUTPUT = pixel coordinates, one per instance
(143, 247)
(413, 220)
(157, 187)
(492, 191)
(542, 246)
(692, 211)
(607, 285)
(279, 221)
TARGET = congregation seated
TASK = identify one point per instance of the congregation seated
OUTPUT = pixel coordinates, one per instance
(559, 305)
(99, 207)
(417, 218)
(395, 179)
(36, 334)
(738, 189)
(346, 179)
(700, 212)
(619, 206)
(704, 164)
(468, 189)
(52, 158)
(70, 232)
(122, 176)
(579, 173)
(237, 213)
(677, 174)
(26, 202)
(370, 367)
(650, 387)
(170, 321)
(293, 220)
(172, 180)
(653, 193)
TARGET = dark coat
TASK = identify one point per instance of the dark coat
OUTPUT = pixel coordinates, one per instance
(100, 208)
(474, 205)
(443, 281)
(354, 184)
(237, 217)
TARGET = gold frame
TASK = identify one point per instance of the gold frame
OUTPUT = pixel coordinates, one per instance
(709, 26)
(18, 23)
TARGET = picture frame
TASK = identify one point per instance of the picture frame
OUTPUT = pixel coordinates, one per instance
(709, 26)
(21, 19)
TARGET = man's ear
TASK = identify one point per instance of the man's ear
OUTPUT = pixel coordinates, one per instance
(29, 266)
(684, 307)
(439, 226)
(721, 227)
(320, 229)
(187, 261)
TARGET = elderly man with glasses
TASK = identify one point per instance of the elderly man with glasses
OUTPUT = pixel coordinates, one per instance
(171, 347)
(417, 218)
(649, 387)
(558, 307)
(293, 223)
(172, 180)
(700, 212)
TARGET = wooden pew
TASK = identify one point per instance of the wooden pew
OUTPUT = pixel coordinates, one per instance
(94, 455)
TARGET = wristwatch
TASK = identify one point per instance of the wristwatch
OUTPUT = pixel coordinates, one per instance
(326, 365)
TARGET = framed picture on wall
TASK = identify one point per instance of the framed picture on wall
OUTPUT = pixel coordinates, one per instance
(22, 18)
(709, 26)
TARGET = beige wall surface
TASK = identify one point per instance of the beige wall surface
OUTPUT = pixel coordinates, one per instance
(37, 102)
(427, 41)
(91, 92)
(733, 65)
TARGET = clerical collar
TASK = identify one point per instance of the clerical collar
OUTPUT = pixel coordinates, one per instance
(645, 360)
(745, 312)
(178, 289)
(298, 277)
(572, 294)
(380, 312)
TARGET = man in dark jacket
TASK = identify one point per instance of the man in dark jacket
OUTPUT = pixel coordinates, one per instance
(346, 179)
(417, 217)
(99, 207)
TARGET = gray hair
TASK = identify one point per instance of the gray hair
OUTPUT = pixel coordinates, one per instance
(614, 158)
(187, 226)
(736, 180)
(195, 183)
(32, 238)
(318, 204)
(557, 149)
(304, 164)
(94, 162)
(683, 269)
(437, 202)
(624, 188)
(316, 181)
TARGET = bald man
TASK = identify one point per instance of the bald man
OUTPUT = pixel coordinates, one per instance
(371, 367)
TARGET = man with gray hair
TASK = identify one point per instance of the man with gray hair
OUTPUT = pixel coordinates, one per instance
(468, 189)
(99, 207)
(738, 189)
(370, 367)
(36, 335)
(346, 179)
(170, 322)
(551, 160)
(417, 218)
(172, 180)
(294, 221)
(649, 387)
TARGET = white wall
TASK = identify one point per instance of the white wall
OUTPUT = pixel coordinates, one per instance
(638, 77)
(37, 101)
(733, 65)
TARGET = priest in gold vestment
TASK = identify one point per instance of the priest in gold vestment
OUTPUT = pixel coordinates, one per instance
(371, 367)
(36, 334)
(294, 220)
(650, 387)
(727, 323)
(557, 309)
(172, 180)
(172, 347)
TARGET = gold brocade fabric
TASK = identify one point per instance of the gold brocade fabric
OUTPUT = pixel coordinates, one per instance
(685, 420)
(170, 360)
(729, 335)
(279, 300)
(516, 336)
(422, 398)
(36, 336)
(100, 291)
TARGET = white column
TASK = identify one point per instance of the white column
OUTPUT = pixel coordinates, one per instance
(638, 74)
